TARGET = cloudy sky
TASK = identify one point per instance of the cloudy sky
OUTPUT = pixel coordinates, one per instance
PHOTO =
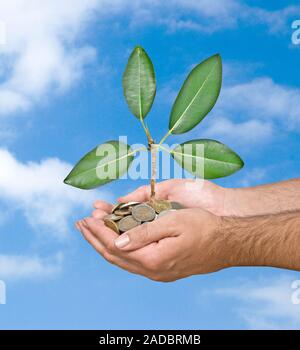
(61, 64)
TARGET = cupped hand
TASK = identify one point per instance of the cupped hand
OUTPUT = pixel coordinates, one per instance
(177, 245)
(190, 193)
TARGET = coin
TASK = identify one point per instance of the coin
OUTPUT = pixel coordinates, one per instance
(129, 204)
(112, 217)
(160, 204)
(112, 225)
(143, 212)
(116, 206)
(127, 223)
(176, 205)
(165, 212)
(122, 212)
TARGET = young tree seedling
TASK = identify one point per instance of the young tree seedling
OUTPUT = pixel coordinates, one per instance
(195, 100)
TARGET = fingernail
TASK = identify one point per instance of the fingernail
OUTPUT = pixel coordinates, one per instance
(122, 241)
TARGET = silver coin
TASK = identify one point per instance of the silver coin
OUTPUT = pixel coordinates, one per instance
(113, 217)
(116, 206)
(143, 212)
(129, 204)
(127, 223)
(112, 225)
(122, 212)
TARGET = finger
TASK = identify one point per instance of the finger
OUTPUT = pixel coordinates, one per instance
(143, 193)
(111, 258)
(142, 258)
(99, 214)
(91, 238)
(103, 206)
(147, 233)
(104, 234)
(142, 261)
(107, 237)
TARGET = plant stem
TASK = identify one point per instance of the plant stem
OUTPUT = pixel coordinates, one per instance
(153, 150)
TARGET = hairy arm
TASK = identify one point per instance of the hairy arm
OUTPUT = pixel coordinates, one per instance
(265, 199)
(265, 240)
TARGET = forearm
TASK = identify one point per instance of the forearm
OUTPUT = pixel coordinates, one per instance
(266, 240)
(265, 199)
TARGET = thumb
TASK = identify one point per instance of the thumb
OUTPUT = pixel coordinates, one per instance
(146, 233)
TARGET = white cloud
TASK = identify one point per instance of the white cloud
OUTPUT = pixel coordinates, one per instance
(44, 52)
(246, 133)
(41, 50)
(38, 191)
(254, 177)
(205, 15)
(21, 266)
(264, 99)
(264, 304)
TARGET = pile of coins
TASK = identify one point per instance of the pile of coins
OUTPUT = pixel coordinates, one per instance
(125, 216)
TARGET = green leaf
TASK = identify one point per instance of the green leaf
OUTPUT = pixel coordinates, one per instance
(103, 164)
(139, 83)
(197, 96)
(208, 159)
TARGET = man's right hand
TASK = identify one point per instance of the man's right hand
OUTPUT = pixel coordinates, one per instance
(190, 193)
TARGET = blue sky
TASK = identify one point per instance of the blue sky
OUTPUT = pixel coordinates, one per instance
(61, 94)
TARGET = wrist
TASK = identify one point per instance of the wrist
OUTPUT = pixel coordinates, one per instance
(263, 240)
(222, 248)
(238, 245)
(244, 241)
(246, 201)
(232, 205)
